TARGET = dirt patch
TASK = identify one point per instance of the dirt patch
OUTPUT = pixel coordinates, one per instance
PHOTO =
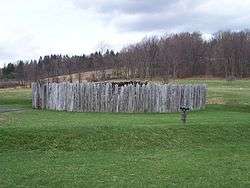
(82, 76)
(3, 119)
(8, 109)
(215, 101)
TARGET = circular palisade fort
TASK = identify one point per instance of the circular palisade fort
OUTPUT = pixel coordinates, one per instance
(117, 97)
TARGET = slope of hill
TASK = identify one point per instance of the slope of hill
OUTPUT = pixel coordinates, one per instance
(54, 149)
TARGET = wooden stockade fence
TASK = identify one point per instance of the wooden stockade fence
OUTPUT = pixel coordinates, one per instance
(107, 97)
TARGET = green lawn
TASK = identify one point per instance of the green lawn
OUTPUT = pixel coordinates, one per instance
(63, 149)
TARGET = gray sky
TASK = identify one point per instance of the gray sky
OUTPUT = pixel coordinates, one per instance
(33, 28)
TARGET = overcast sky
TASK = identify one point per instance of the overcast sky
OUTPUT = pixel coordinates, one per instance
(33, 28)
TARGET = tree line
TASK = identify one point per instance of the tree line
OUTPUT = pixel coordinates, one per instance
(226, 54)
(56, 65)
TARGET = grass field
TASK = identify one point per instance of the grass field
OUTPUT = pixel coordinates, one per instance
(60, 149)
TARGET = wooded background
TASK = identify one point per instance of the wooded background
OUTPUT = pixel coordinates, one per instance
(225, 55)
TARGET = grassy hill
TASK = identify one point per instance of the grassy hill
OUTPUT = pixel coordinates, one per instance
(63, 149)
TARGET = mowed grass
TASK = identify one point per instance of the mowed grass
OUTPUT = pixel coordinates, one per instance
(15, 97)
(226, 92)
(63, 149)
